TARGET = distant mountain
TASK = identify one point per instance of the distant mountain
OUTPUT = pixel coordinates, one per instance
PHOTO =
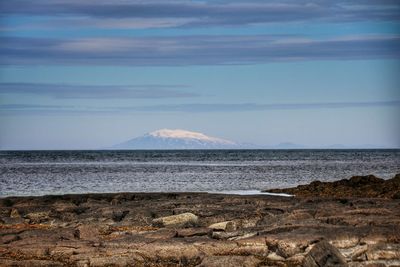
(178, 139)
(288, 145)
(182, 139)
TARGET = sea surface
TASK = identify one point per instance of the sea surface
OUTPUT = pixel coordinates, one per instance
(62, 172)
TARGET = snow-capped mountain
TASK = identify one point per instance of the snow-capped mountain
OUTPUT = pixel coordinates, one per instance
(177, 139)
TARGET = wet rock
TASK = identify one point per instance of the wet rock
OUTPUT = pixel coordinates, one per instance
(223, 226)
(181, 220)
(356, 186)
(324, 254)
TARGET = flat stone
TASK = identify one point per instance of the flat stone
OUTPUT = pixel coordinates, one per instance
(180, 220)
(188, 232)
(223, 226)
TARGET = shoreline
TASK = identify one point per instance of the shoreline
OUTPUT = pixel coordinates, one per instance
(197, 229)
(227, 192)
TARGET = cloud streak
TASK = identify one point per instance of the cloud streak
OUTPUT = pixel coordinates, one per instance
(188, 108)
(211, 13)
(194, 50)
(65, 91)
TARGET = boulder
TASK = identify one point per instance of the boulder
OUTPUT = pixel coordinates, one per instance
(324, 254)
(223, 226)
(181, 220)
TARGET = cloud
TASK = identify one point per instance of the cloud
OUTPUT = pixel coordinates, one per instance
(194, 50)
(206, 13)
(187, 108)
(151, 91)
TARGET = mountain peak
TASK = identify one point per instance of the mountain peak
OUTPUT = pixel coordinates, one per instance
(177, 139)
(184, 134)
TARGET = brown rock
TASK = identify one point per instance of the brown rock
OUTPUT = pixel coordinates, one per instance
(88, 232)
(15, 214)
(230, 261)
(180, 220)
(223, 226)
(6, 239)
(188, 232)
(356, 186)
(384, 252)
(324, 254)
(38, 217)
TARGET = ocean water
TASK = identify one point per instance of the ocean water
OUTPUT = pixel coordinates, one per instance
(62, 172)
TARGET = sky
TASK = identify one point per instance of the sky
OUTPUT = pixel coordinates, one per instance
(85, 74)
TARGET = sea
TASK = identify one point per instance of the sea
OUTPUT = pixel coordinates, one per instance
(235, 171)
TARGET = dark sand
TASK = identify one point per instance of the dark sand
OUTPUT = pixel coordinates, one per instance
(122, 230)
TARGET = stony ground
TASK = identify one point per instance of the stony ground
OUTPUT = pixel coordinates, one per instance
(195, 229)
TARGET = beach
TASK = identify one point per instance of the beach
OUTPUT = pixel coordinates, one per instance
(199, 229)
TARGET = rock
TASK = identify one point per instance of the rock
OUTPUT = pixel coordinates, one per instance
(324, 254)
(275, 257)
(6, 239)
(161, 234)
(232, 235)
(88, 232)
(62, 206)
(30, 263)
(181, 220)
(15, 214)
(230, 261)
(286, 248)
(38, 217)
(285, 231)
(223, 226)
(188, 232)
(383, 252)
(116, 261)
(345, 242)
(115, 201)
(356, 186)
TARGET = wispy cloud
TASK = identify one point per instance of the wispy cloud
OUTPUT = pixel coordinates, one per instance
(194, 50)
(187, 108)
(206, 13)
(151, 91)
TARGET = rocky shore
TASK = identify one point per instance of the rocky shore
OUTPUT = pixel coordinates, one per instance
(199, 229)
(357, 186)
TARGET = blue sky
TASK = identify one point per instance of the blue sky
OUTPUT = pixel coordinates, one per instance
(89, 74)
